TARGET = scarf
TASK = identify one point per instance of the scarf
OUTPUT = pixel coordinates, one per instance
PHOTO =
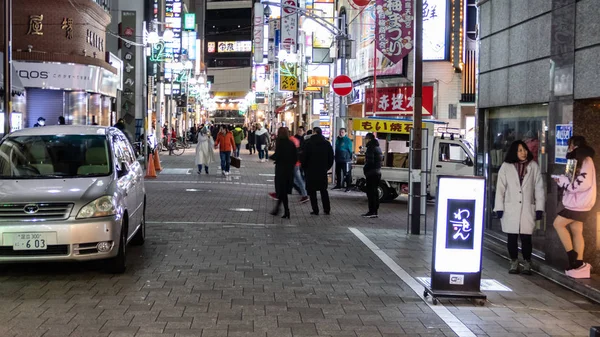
(521, 170)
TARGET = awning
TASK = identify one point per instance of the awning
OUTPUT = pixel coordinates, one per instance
(280, 109)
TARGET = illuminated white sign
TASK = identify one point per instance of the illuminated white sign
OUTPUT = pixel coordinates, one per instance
(459, 225)
(435, 29)
(234, 46)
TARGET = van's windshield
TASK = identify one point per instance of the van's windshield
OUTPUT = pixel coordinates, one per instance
(54, 156)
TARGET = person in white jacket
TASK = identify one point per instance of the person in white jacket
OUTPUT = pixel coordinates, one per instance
(579, 197)
(519, 202)
(204, 150)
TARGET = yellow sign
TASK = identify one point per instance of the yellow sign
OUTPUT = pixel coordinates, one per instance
(288, 80)
(318, 81)
(380, 125)
(230, 94)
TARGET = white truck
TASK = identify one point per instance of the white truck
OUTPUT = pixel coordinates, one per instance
(447, 153)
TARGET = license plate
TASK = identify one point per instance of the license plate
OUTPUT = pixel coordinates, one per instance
(30, 241)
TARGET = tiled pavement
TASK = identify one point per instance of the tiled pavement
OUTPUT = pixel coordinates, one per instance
(210, 270)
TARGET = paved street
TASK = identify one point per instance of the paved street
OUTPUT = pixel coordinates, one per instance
(215, 263)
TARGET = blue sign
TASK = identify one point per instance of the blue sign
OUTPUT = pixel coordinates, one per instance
(563, 133)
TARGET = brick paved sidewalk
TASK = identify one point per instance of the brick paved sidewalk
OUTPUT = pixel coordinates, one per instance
(216, 264)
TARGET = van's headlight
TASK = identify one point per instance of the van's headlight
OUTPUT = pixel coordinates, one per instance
(103, 206)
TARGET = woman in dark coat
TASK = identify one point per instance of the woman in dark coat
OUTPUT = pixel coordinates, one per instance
(317, 159)
(285, 157)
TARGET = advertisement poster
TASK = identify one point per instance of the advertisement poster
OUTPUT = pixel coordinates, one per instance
(258, 33)
(394, 28)
(435, 30)
(459, 230)
(288, 79)
(397, 101)
(363, 28)
(323, 38)
(563, 133)
(289, 25)
(128, 55)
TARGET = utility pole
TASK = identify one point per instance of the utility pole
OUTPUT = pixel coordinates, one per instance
(7, 65)
(415, 219)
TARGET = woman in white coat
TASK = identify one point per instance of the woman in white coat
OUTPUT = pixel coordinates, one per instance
(204, 150)
(520, 202)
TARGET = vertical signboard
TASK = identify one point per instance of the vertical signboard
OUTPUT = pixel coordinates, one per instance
(288, 80)
(259, 25)
(289, 25)
(128, 21)
(563, 133)
(394, 28)
(458, 238)
(435, 30)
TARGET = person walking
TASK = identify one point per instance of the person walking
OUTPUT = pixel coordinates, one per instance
(204, 150)
(285, 158)
(579, 197)
(252, 140)
(372, 171)
(226, 146)
(262, 143)
(238, 137)
(343, 160)
(317, 159)
(519, 192)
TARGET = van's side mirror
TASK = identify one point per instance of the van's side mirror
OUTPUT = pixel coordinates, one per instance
(468, 161)
(123, 170)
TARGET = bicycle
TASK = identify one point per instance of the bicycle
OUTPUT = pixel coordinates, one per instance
(177, 148)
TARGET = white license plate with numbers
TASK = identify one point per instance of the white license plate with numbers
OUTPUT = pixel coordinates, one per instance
(31, 241)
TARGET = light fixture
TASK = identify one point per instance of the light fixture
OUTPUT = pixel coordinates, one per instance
(153, 37)
(267, 11)
(168, 35)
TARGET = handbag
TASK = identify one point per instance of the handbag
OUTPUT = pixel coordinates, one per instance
(236, 162)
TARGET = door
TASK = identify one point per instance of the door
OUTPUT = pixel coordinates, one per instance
(450, 158)
(126, 174)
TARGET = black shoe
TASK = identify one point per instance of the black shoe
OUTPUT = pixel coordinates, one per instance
(274, 212)
(369, 215)
(286, 215)
(337, 188)
(347, 190)
(314, 213)
(327, 213)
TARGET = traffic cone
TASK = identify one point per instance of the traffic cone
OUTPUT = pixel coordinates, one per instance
(151, 173)
(157, 161)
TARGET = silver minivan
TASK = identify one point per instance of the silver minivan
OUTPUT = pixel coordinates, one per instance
(70, 193)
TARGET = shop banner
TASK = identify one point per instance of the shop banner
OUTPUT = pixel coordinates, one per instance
(318, 75)
(272, 46)
(288, 79)
(259, 25)
(289, 25)
(128, 24)
(394, 28)
(397, 101)
(382, 125)
(65, 76)
(563, 133)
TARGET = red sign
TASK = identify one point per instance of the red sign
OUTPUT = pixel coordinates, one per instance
(342, 85)
(359, 3)
(397, 101)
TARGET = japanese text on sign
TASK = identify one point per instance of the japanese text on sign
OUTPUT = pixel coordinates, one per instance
(393, 28)
(385, 126)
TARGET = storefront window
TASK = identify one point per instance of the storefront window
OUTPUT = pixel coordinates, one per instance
(504, 126)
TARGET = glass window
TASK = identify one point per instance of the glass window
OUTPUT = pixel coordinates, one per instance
(54, 156)
(452, 152)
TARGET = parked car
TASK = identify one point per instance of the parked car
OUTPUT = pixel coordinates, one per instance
(70, 193)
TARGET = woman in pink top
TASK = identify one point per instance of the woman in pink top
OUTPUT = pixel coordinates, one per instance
(578, 199)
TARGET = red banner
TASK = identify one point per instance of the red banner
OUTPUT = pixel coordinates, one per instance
(394, 28)
(397, 101)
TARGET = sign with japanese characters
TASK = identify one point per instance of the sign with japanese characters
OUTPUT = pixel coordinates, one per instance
(458, 237)
(288, 79)
(289, 25)
(258, 33)
(435, 30)
(234, 46)
(563, 133)
(318, 75)
(394, 28)
(397, 101)
(382, 125)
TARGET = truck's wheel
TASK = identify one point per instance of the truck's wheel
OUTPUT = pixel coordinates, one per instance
(392, 194)
(361, 183)
(382, 191)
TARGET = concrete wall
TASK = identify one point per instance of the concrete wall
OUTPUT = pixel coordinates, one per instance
(587, 50)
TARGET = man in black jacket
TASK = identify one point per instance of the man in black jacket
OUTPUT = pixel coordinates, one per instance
(372, 171)
(317, 159)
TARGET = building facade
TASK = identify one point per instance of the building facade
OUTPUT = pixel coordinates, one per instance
(60, 58)
(537, 79)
